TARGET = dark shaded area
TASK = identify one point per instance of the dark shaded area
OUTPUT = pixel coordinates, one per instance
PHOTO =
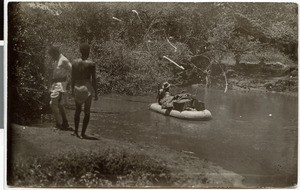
(1, 20)
(2, 98)
(11, 92)
(24, 104)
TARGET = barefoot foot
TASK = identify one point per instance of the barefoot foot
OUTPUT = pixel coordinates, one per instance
(75, 134)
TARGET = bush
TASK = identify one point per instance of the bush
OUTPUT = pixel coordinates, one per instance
(28, 74)
(135, 71)
(272, 55)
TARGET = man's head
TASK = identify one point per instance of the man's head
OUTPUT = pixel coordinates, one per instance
(54, 52)
(84, 50)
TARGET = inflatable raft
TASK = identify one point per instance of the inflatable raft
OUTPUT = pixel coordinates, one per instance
(188, 115)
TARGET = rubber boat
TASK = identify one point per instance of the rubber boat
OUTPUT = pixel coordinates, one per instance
(188, 115)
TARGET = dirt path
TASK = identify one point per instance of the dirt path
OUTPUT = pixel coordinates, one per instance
(42, 140)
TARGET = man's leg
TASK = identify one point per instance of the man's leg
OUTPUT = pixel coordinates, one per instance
(62, 111)
(87, 108)
(77, 117)
(54, 103)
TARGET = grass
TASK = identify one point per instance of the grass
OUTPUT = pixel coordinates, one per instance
(104, 168)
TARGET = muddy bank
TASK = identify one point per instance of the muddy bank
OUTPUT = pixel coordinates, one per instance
(267, 78)
(185, 170)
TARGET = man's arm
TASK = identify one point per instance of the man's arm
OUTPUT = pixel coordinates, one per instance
(49, 75)
(69, 65)
(94, 82)
(66, 64)
(72, 80)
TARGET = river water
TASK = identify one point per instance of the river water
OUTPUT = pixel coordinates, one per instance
(252, 134)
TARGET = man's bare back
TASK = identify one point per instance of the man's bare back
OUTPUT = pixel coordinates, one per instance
(83, 87)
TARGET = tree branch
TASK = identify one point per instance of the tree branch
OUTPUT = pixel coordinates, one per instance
(147, 31)
(169, 41)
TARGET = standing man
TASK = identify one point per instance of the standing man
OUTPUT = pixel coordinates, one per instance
(61, 69)
(83, 86)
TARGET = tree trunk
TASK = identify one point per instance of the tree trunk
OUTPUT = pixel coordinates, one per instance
(207, 79)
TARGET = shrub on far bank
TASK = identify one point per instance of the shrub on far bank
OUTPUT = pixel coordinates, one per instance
(270, 56)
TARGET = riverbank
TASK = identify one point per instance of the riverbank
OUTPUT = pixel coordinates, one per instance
(270, 78)
(244, 84)
(31, 147)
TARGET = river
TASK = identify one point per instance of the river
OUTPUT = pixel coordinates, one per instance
(252, 134)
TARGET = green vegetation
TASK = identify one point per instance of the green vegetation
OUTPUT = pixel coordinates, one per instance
(104, 168)
(129, 41)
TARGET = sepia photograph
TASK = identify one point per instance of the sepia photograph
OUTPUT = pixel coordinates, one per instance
(152, 94)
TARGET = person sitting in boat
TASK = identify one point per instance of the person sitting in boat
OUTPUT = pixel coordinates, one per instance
(182, 101)
(164, 97)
